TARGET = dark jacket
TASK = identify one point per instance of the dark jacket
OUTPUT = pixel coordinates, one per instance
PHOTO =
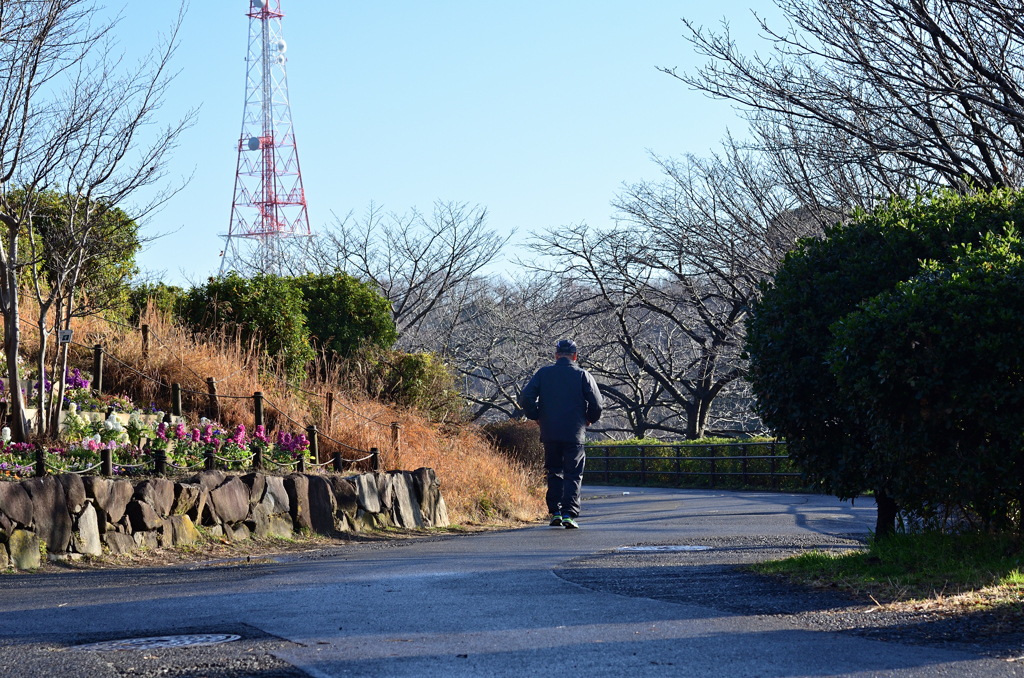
(565, 398)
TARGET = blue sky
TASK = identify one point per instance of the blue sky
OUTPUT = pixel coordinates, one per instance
(539, 113)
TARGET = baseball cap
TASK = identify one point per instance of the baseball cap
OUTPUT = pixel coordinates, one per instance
(566, 346)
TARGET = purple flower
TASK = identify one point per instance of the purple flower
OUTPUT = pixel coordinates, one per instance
(75, 380)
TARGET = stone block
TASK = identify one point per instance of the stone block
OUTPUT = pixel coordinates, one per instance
(74, 491)
(195, 513)
(209, 480)
(231, 501)
(405, 509)
(236, 532)
(142, 516)
(365, 520)
(179, 530)
(321, 504)
(257, 484)
(298, 500)
(385, 491)
(281, 526)
(119, 543)
(24, 550)
(120, 494)
(366, 492)
(186, 496)
(441, 517)
(208, 514)
(51, 520)
(15, 504)
(147, 540)
(158, 493)
(276, 495)
(97, 489)
(428, 492)
(88, 542)
(345, 495)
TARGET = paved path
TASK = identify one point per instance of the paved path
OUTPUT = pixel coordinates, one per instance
(486, 604)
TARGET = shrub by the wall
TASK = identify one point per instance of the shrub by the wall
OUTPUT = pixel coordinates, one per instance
(519, 441)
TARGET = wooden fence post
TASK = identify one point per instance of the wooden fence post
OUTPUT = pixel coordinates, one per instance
(176, 399)
(329, 421)
(160, 462)
(314, 443)
(145, 342)
(97, 369)
(40, 461)
(106, 462)
(338, 464)
(214, 407)
(257, 456)
(257, 406)
(375, 459)
(396, 443)
(208, 460)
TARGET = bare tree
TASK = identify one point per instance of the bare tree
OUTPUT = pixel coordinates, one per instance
(103, 165)
(40, 41)
(502, 335)
(672, 283)
(926, 92)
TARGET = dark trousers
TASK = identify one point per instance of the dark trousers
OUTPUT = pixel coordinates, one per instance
(564, 463)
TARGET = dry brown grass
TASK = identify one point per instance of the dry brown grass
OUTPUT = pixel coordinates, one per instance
(479, 484)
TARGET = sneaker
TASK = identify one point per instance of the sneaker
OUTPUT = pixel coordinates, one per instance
(570, 523)
(556, 521)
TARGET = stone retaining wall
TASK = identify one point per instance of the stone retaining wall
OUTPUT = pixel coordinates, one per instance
(68, 516)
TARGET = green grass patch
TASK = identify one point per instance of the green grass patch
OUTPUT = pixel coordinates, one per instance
(912, 567)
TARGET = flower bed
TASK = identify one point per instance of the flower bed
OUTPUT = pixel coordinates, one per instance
(133, 446)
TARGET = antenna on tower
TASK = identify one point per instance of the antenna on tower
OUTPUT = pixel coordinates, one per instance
(269, 202)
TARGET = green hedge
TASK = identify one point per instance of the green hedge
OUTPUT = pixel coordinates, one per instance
(663, 460)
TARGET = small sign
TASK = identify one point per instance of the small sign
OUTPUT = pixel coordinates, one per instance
(64, 336)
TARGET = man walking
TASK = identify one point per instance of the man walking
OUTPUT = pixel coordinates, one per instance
(565, 398)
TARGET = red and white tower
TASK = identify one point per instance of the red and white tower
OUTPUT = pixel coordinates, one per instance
(269, 202)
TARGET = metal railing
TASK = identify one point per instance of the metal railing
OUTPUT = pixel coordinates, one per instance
(669, 463)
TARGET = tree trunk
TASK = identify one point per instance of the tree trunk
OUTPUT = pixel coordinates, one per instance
(63, 321)
(11, 344)
(41, 402)
(885, 523)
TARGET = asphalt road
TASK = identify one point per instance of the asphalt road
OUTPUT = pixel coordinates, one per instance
(534, 601)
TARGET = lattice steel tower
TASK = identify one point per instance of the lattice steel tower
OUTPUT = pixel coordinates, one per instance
(269, 201)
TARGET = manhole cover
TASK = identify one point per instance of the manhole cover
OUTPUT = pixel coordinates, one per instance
(670, 548)
(157, 642)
